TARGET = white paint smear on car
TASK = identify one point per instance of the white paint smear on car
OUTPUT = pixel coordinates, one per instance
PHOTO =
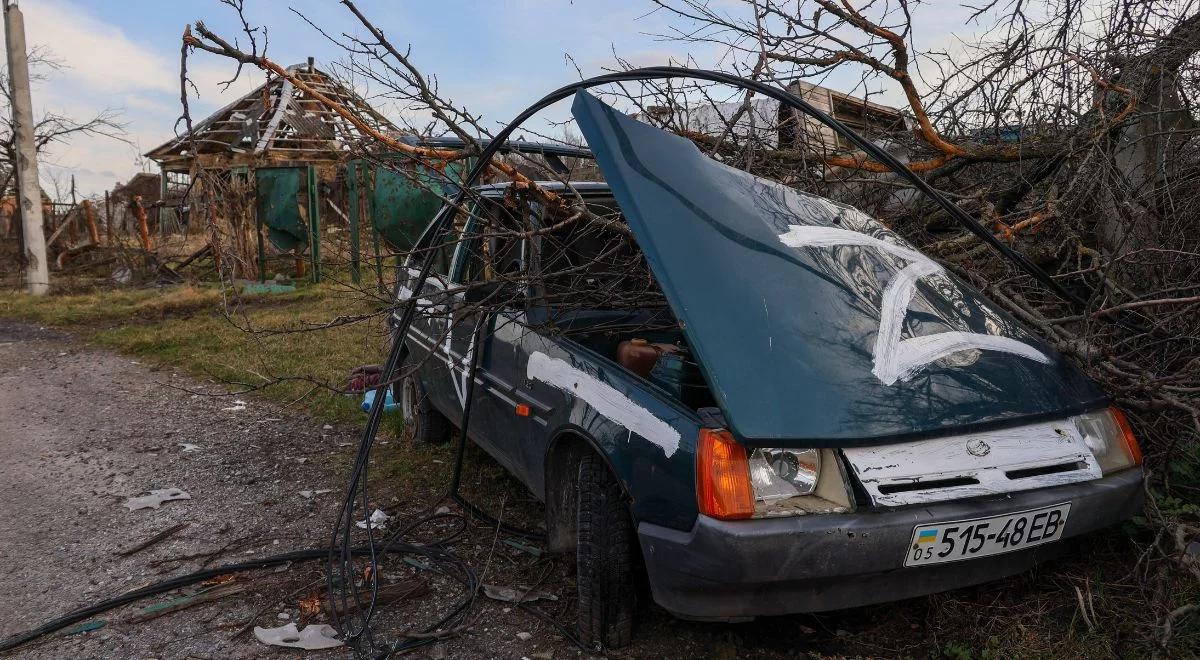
(899, 359)
(997, 461)
(604, 399)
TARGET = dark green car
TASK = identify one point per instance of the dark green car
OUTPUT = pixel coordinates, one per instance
(808, 414)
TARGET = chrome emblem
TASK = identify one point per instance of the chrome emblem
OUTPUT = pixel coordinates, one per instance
(978, 448)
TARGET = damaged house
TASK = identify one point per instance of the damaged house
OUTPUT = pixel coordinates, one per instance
(775, 126)
(271, 155)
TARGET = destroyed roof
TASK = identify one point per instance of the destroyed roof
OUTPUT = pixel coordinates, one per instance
(280, 120)
(146, 184)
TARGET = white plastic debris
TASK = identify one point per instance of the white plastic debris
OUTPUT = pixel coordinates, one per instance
(524, 636)
(238, 406)
(319, 636)
(327, 427)
(309, 494)
(511, 595)
(156, 498)
(189, 447)
(378, 520)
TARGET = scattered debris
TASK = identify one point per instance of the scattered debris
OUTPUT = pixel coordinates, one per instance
(183, 602)
(327, 427)
(121, 274)
(389, 403)
(188, 447)
(364, 378)
(536, 552)
(309, 494)
(85, 627)
(416, 563)
(283, 616)
(378, 520)
(310, 605)
(511, 595)
(319, 636)
(156, 498)
(524, 636)
(386, 595)
(153, 539)
(220, 579)
(238, 406)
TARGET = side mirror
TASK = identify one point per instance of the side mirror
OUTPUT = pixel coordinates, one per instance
(492, 292)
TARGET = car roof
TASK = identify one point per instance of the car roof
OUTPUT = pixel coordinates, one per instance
(510, 146)
(582, 187)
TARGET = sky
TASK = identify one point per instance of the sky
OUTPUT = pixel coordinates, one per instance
(494, 57)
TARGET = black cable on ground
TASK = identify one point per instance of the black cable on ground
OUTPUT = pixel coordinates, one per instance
(82, 614)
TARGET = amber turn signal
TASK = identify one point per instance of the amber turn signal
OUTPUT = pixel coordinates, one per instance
(1131, 443)
(722, 476)
(522, 410)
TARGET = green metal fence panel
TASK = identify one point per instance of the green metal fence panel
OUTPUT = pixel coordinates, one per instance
(277, 204)
(403, 202)
(314, 223)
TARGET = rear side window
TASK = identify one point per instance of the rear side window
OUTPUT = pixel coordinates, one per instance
(496, 247)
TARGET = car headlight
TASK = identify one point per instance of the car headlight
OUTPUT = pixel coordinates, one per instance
(777, 474)
(768, 482)
(1108, 435)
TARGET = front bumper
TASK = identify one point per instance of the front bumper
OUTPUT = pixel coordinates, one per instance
(737, 570)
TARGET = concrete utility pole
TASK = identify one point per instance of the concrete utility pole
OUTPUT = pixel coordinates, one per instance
(29, 191)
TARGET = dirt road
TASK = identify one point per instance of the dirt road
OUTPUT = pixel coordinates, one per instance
(81, 431)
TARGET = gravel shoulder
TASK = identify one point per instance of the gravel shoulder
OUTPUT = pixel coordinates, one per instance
(84, 430)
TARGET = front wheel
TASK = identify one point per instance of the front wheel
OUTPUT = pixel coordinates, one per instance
(605, 557)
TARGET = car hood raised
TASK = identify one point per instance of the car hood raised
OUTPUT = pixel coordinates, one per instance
(814, 323)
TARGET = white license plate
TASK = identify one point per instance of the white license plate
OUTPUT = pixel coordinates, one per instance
(982, 537)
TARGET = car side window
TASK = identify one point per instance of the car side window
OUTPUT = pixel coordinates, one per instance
(495, 247)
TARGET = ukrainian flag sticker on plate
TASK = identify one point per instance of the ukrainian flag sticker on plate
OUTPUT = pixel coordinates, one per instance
(979, 537)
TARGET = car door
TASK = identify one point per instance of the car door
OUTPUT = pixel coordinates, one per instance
(430, 336)
(494, 254)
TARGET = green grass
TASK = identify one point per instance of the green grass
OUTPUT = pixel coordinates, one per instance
(269, 341)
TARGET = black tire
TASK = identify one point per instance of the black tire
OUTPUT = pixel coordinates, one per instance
(605, 556)
(422, 421)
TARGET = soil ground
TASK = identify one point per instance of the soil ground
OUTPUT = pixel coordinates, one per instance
(83, 429)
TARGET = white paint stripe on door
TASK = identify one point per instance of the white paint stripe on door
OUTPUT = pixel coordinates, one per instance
(604, 399)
